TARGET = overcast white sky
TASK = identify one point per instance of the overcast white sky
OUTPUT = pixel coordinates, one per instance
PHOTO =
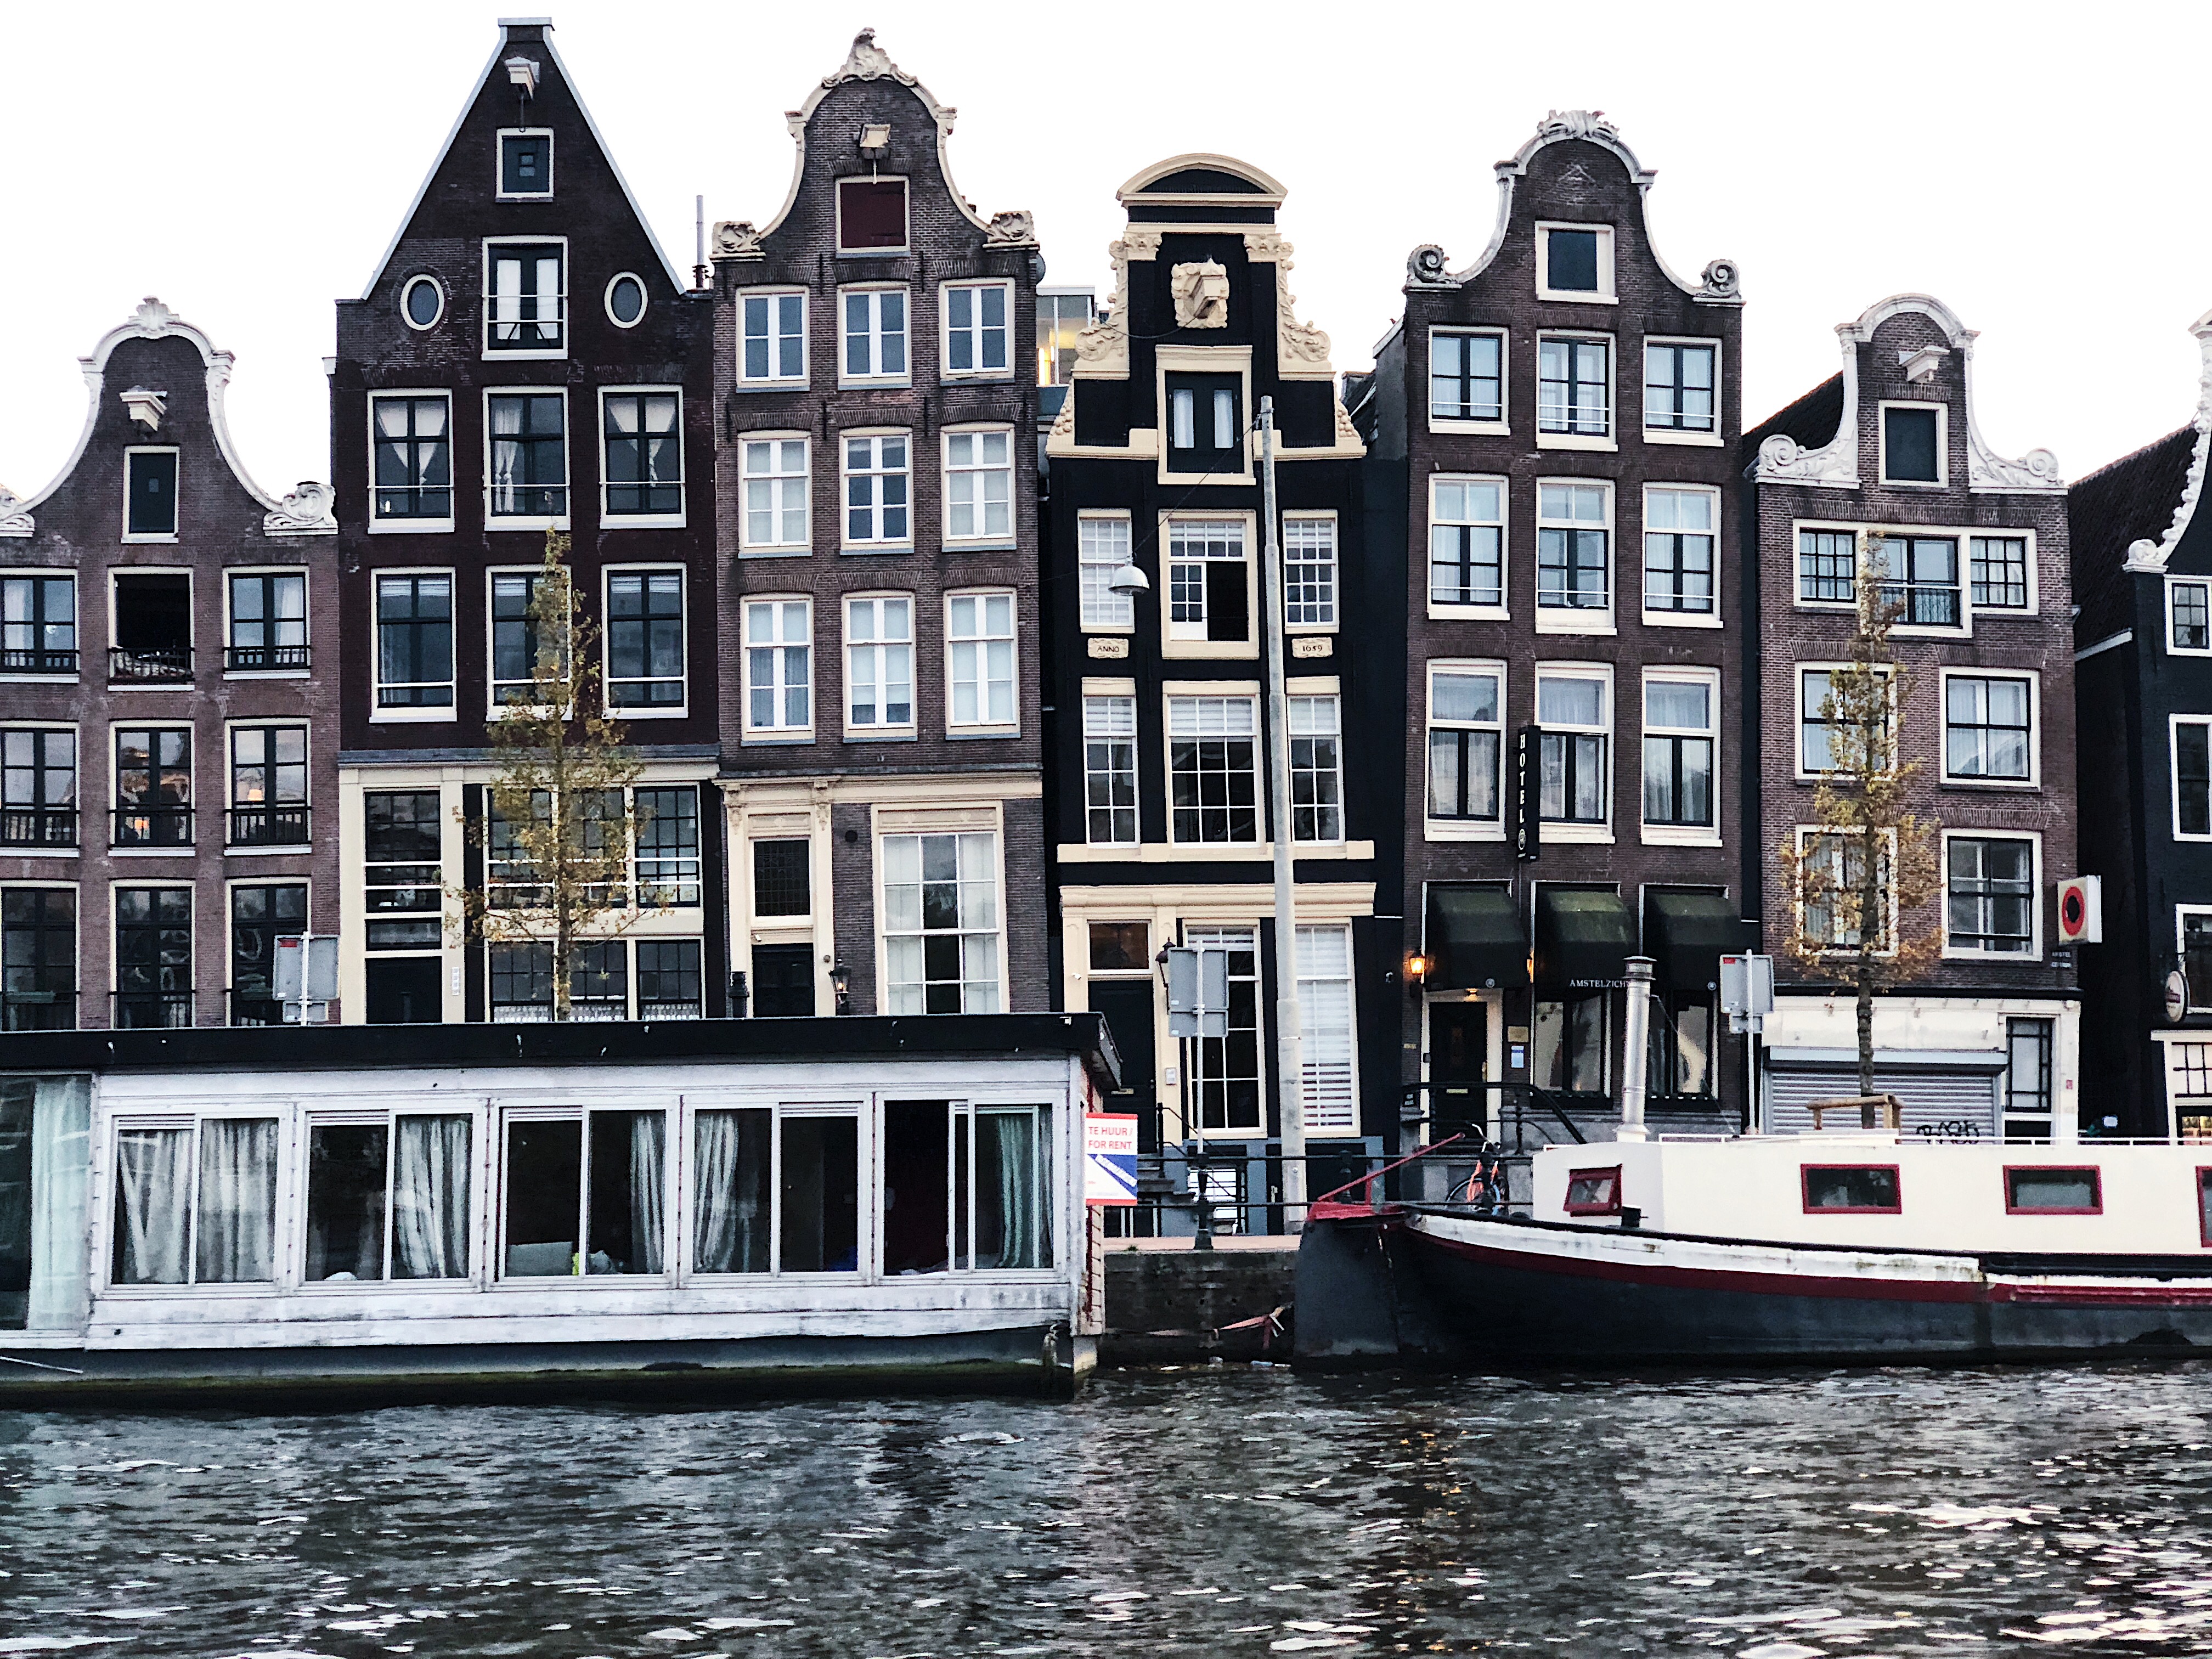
(2037, 169)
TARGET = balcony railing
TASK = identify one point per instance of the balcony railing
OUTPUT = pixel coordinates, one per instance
(38, 826)
(153, 826)
(38, 1010)
(172, 665)
(34, 659)
(693, 1009)
(152, 1011)
(268, 826)
(262, 659)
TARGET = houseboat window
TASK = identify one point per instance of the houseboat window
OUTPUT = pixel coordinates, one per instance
(1852, 1189)
(605, 1187)
(795, 1181)
(963, 1188)
(2052, 1191)
(818, 1196)
(388, 1200)
(16, 1098)
(2204, 1205)
(218, 1229)
(733, 1167)
(1594, 1191)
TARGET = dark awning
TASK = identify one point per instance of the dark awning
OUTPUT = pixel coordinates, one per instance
(1584, 939)
(1688, 933)
(1474, 935)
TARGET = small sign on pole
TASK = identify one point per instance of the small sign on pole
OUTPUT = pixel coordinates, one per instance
(1109, 1157)
(1746, 991)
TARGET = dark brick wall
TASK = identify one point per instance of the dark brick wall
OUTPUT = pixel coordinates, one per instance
(78, 528)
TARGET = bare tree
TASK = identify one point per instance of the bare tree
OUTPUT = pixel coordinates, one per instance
(558, 828)
(1856, 877)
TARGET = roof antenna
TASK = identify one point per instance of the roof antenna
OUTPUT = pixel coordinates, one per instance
(699, 268)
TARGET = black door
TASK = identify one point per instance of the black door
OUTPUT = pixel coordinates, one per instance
(403, 991)
(1459, 1052)
(1127, 1006)
(783, 981)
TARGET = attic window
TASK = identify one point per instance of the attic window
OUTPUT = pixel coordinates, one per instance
(1576, 262)
(871, 216)
(1911, 444)
(525, 165)
(151, 493)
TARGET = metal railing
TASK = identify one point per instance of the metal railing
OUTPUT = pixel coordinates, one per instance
(38, 1010)
(1200, 1191)
(36, 660)
(263, 659)
(1517, 1115)
(282, 825)
(38, 826)
(153, 826)
(170, 665)
(142, 1011)
(255, 1008)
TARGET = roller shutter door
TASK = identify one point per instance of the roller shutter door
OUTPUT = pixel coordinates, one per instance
(1949, 1105)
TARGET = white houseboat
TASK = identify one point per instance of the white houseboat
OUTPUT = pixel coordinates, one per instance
(846, 1203)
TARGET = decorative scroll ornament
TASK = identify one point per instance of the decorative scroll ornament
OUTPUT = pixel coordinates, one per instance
(1105, 344)
(1782, 459)
(1301, 342)
(1201, 294)
(1577, 124)
(867, 62)
(1063, 425)
(14, 517)
(1347, 434)
(1010, 230)
(737, 239)
(1722, 282)
(2037, 469)
(305, 511)
(153, 318)
(1425, 267)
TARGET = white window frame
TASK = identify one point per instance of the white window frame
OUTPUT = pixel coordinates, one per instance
(982, 537)
(778, 733)
(1607, 291)
(1942, 452)
(2181, 912)
(1114, 704)
(485, 351)
(983, 724)
(1886, 838)
(870, 731)
(2034, 841)
(607, 681)
(747, 381)
(74, 889)
(876, 331)
(2172, 649)
(1437, 829)
(2034, 778)
(1662, 435)
(747, 548)
(450, 711)
(500, 192)
(837, 206)
(501, 1121)
(1310, 977)
(884, 932)
(945, 291)
(1226, 692)
(383, 526)
(176, 506)
(1502, 425)
(2173, 725)
(492, 684)
(1608, 726)
(77, 624)
(1799, 530)
(193, 1118)
(610, 519)
(1104, 610)
(407, 288)
(1175, 645)
(230, 573)
(1304, 522)
(1966, 571)
(1861, 531)
(1570, 619)
(1682, 834)
(501, 521)
(1609, 440)
(1303, 701)
(875, 437)
(1798, 670)
(607, 298)
(1678, 618)
(1502, 610)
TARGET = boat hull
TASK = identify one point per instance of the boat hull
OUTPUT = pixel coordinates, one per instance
(1581, 1295)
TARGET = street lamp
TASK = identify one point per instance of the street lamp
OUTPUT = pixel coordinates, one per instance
(841, 986)
(1128, 582)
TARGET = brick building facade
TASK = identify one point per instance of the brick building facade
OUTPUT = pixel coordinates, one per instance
(874, 415)
(167, 717)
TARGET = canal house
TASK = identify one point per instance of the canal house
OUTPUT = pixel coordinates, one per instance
(302, 1206)
(167, 721)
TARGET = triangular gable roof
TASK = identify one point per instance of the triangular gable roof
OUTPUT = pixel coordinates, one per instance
(591, 125)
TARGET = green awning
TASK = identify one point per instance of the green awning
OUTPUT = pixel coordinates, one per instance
(1474, 935)
(1688, 933)
(1584, 938)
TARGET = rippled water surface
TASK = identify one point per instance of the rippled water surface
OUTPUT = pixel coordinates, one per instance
(1222, 1511)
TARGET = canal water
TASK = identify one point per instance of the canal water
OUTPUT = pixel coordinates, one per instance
(1221, 1511)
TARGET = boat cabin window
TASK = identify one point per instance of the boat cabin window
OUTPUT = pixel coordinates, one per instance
(586, 1194)
(2204, 1207)
(778, 1191)
(963, 1187)
(2050, 1190)
(1852, 1189)
(196, 1204)
(1594, 1191)
(388, 1199)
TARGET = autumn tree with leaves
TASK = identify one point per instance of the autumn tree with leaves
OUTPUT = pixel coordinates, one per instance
(1869, 863)
(558, 828)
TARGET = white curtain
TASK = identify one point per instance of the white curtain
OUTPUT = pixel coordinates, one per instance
(236, 1240)
(60, 1181)
(153, 1205)
(430, 1199)
(729, 1220)
(647, 1131)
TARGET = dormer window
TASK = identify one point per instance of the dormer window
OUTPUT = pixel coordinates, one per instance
(1574, 262)
(871, 215)
(525, 301)
(525, 165)
(1912, 443)
(1205, 428)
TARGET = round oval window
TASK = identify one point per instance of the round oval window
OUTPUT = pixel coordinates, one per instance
(626, 299)
(421, 301)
